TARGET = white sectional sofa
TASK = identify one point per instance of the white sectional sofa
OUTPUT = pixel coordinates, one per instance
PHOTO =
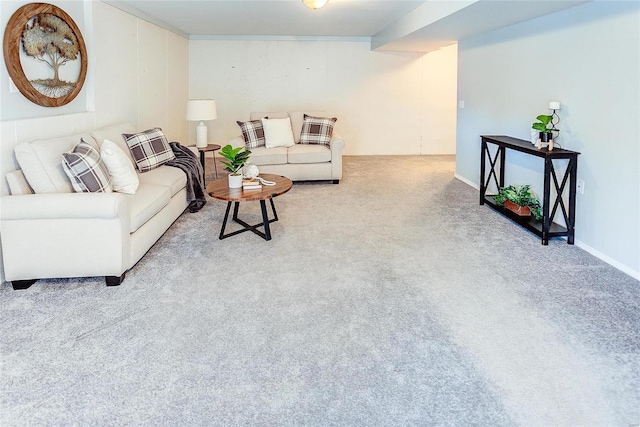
(62, 234)
(300, 162)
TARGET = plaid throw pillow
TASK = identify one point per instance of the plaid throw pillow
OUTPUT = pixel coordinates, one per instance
(317, 130)
(85, 169)
(150, 148)
(253, 134)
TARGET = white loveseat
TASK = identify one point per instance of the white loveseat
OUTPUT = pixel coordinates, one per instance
(300, 162)
(62, 234)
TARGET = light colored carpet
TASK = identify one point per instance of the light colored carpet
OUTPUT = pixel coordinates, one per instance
(390, 299)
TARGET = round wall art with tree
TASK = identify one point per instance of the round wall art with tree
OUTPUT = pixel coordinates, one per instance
(45, 54)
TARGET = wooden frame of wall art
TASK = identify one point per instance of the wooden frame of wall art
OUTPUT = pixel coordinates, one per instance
(45, 54)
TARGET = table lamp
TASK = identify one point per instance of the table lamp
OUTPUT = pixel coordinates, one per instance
(199, 110)
(315, 4)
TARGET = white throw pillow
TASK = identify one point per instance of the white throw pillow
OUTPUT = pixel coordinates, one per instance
(277, 132)
(124, 178)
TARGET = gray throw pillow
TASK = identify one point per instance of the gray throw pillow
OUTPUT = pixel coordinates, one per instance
(317, 130)
(150, 149)
(85, 169)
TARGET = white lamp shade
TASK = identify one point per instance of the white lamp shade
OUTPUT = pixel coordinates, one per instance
(201, 109)
(315, 4)
(554, 105)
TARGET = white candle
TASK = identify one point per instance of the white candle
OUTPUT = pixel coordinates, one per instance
(554, 105)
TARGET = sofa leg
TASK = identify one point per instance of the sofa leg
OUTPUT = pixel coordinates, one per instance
(336, 181)
(114, 280)
(22, 284)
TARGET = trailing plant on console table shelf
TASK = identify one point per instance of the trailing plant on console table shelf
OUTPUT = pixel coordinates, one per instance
(520, 195)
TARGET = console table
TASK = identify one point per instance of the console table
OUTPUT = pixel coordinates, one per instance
(545, 228)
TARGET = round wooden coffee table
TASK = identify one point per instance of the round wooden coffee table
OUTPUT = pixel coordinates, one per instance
(219, 189)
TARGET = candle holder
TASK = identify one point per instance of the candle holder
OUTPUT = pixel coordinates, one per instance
(555, 119)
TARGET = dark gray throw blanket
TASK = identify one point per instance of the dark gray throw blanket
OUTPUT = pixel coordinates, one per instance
(189, 163)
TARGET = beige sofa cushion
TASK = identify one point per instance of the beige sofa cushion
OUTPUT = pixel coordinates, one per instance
(114, 133)
(305, 153)
(168, 176)
(41, 162)
(148, 201)
(268, 156)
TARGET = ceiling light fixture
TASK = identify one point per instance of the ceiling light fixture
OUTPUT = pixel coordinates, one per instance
(315, 4)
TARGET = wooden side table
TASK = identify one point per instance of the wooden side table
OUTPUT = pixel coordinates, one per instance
(202, 150)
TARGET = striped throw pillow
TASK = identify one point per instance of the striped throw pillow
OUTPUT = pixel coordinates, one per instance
(253, 134)
(150, 148)
(317, 130)
(85, 169)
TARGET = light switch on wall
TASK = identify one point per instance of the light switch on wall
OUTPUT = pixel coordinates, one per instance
(461, 104)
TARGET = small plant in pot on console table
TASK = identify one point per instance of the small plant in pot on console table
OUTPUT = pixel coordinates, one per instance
(546, 133)
(236, 157)
(518, 199)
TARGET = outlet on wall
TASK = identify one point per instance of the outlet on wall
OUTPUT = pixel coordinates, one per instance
(580, 186)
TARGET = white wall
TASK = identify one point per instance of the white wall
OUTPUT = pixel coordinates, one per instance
(138, 72)
(386, 103)
(588, 58)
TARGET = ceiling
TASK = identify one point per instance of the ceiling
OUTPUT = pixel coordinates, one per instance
(400, 25)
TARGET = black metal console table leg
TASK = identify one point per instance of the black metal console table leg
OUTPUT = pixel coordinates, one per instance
(570, 214)
(546, 223)
(573, 181)
(493, 162)
(483, 189)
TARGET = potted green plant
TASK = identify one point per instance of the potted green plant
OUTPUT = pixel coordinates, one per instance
(542, 126)
(520, 200)
(236, 157)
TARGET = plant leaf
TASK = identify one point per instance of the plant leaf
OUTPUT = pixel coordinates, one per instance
(544, 119)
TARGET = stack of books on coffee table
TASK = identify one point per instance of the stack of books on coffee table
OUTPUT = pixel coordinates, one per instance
(251, 184)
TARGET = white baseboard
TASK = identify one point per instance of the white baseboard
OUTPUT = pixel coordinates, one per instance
(612, 262)
(466, 181)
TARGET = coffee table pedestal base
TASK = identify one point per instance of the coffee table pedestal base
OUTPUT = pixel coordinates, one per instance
(266, 235)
